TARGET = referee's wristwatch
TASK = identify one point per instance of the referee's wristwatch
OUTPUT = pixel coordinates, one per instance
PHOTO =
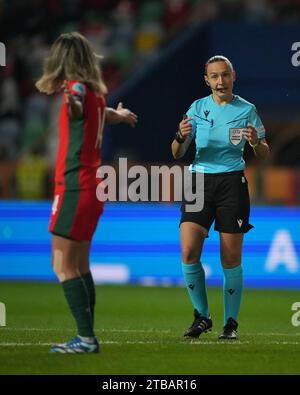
(179, 137)
(255, 145)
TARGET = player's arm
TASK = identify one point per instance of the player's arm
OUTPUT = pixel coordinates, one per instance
(260, 146)
(74, 102)
(182, 138)
(262, 150)
(255, 134)
(120, 115)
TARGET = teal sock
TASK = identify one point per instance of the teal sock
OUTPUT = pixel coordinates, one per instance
(78, 300)
(233, 289)
(90, 285)
(194, 277)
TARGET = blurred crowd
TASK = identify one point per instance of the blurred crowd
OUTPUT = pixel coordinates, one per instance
(126, 32)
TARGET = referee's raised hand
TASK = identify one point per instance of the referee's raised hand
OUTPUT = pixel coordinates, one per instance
(250, 134)
(185, 127)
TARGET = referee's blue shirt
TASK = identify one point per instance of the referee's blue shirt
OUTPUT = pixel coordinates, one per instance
(217, 130)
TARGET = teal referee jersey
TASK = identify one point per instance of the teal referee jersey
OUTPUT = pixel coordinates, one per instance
(217, 130)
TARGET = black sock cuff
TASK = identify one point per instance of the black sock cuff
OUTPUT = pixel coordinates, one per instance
(73, 282)
(87, 276)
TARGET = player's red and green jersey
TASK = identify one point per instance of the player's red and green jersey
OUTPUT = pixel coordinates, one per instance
(78, 156)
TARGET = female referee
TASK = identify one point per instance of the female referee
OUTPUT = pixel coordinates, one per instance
(221, 123)
(74, 67)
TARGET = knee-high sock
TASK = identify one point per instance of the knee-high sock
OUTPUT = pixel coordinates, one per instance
(233, 289)
(194, 277)
(78, 300)
(90, 285)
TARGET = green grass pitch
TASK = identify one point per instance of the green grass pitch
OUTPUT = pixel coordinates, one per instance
(140, 329)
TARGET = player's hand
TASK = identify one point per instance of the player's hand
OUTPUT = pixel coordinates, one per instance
(75, 107)
(65, 87)
(126, 115)
(185, 127)
(250, 134)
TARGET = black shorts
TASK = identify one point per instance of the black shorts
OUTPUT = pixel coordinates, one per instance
(226, 201)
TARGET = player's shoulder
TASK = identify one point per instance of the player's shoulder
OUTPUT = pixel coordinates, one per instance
(78, 86)
(199, 103)
(244, 103)
(78, 89)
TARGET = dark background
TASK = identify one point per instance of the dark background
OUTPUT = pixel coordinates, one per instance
(154, 55)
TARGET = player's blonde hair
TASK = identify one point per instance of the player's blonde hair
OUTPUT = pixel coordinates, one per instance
(71, 58)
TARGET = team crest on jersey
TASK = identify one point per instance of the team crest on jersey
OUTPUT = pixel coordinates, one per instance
(79, 88)
(235, 135)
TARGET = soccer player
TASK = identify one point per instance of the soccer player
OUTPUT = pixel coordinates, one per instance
(74, 67)
(220, 123)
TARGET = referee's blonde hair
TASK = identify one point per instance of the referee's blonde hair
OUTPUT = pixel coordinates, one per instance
(217, 58)
(71, 58)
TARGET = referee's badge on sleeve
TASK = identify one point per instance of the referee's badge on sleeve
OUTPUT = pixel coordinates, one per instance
(235, 135)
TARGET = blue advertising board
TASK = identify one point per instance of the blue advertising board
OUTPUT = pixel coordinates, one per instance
(139, 243)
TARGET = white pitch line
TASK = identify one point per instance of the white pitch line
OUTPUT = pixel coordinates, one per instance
(96, 330)
(35, 329)
(150, 330)
(192, 343)
(272, 334)
(8, 344)
(240, 342)
(283, 342)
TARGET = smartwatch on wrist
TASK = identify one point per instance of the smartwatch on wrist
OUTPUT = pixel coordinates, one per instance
(254, 145)
(179, 137)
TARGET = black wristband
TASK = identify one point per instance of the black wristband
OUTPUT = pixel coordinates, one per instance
(179, 138)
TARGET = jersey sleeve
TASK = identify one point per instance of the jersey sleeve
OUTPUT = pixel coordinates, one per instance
(255, 120)
(191, 114)
(78, 90)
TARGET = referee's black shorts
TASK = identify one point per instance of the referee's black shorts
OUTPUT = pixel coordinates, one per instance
(226, 201)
